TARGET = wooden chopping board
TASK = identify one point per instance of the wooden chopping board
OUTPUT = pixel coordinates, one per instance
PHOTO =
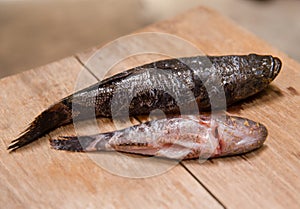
(37, 176)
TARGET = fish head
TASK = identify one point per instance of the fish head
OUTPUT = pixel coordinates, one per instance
(239, 135)
(257, 73)
(267, 67)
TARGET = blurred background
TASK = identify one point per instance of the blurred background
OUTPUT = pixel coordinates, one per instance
(36, 32)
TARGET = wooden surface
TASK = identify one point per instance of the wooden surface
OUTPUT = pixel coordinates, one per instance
(37, 176)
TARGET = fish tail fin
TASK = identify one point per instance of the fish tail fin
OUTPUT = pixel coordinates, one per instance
(78, 144)
(69, 143)
(56, 115)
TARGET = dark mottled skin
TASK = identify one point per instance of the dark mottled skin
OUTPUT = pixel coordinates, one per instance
(165, 85)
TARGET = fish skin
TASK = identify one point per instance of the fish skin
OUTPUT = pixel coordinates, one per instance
(240, 77)
(175, 138)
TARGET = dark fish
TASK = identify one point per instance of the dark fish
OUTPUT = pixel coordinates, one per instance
(164, 85)
(175, 138)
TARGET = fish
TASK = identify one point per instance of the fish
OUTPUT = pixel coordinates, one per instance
(166, 85)
(179, 138)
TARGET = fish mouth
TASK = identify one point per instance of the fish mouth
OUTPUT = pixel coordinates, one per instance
(276, 67)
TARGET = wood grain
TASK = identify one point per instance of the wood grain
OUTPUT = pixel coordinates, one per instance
(38, 176)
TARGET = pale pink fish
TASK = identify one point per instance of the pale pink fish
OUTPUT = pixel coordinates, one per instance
(176, 138)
